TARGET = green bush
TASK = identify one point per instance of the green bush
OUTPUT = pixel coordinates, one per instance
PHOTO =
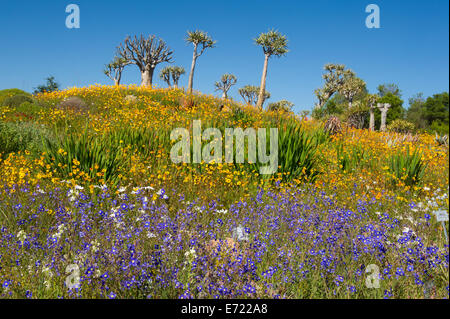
(401, 126)
(16, 100)
(21, 136)
(408, 167)
(29, 108)
(4, 94)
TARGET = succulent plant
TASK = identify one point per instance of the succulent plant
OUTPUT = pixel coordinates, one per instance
(333, 125)
(442, 140)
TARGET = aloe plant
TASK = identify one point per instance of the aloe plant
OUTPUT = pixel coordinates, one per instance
(442, 140)
(296, 152)
(89, 154)
(409, 167)
(146, 140)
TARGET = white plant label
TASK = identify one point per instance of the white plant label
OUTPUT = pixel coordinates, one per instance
(441, 216)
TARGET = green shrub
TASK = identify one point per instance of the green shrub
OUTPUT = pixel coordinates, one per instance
(29, 108)
(17, 100)
(401, 126)
(408, 167)
(21, 136)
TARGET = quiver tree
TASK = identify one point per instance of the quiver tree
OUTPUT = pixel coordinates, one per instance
(249, 94)
(146, 54)
(165, 75)
(273, 43)
(334, 77)
(351, 87)
(225, 83)
(177, 72)
(201, 41)
(172, 73)
(114, 69)
(323, 95)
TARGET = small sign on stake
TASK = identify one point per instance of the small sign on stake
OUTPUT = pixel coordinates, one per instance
(442, 216)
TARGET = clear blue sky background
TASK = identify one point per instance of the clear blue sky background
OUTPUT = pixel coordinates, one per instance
(411, 49)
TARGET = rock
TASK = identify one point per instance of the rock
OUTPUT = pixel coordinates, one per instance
(73, 103)
(131, 99)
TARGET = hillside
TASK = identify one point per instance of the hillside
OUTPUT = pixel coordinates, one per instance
(86, 178)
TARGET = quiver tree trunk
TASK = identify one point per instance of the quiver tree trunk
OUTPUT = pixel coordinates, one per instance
(147, 77)
(191, 75)
(263, 83)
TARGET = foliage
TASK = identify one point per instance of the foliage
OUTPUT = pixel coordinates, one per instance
(396, 111)
(249, 94)
(16, 100)
(333, 125)
(232, 223)
(416, 112)
(225, 83)
(171, 74)
(401, 126)
(146, 141)
(21, 137)
(145, 53)
(114, 69)
(351, 87)
(389, 88)
(97, 159)
(280, 106)
(296, 153)
(353, 157)
(4, 94)
(437, 112)
(356, 116)
(334, 76)
(273, 43)
(407, 168)
(50, 86)
(202, 38)
(442, 140)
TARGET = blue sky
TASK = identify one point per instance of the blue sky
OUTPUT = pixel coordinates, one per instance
(410, 49)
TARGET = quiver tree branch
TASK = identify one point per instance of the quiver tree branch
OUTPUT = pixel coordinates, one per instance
(225, 83)
(146, 54)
